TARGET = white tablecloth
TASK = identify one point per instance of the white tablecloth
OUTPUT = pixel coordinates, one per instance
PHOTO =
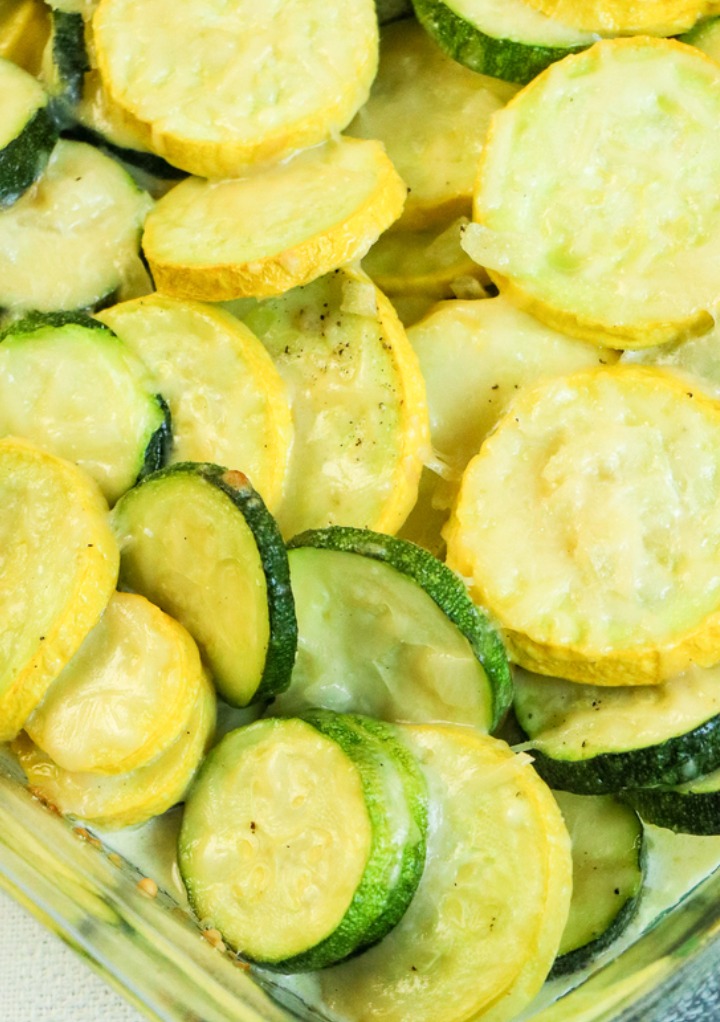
(43, 980)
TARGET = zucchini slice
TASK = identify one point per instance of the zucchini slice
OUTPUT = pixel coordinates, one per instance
(694, 359)
(197, 540)
(357, 399)
(507, 39)
(689, 808)
(295, 221)
(628, 17)
(65, 62)
(227, 401)
(27, 131)
(58, 569)
(71, 239)
(435, 154)
(132, 798)
(235, 84)
(125, 695)
(589, 524)
(590, 739)
(474, 942)
(592, 225)
(68, 384)
(388, 631)
(608, 853)
(294, 838)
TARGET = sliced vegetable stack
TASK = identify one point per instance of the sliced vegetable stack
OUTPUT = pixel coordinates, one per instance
(187, 337)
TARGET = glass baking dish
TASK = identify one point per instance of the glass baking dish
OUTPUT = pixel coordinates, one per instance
(151, 950)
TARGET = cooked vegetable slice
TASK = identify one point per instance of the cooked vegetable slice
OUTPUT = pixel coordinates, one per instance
(27, 131)
(24, 31)
(508, 39)
(58, 568)
(386, 630)
(71, 386)
(240, 83)
(227, 401)
(129, 799)
(125, 695)
(435, 154)
(630, 17)
(474, 942)
(589, 524)
(102, 123)
(293, 840)
(198, 541)
(695, 359)
(357, 398)
(474, 357)
(428, 264)
(590, 739)
(72, 239)
(608, 855)
(603, 231)
(706, 36)
(690, 808)
(292, 223)
(65, 62)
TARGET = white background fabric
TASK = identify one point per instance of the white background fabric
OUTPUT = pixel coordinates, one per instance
(43, 980)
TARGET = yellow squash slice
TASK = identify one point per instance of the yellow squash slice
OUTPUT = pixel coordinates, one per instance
(124, 696)
(428, 265)
(226, 85)
(589, 526)
(627, 17)
(475, 939)
(474, 357)
(24, 31)
(58, 569)
(125, 800)
(275, 228)
(432, 115)
(227, 401)
(595, 199)
(358, 403)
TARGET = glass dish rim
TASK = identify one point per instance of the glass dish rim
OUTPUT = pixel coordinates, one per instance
(154, 954)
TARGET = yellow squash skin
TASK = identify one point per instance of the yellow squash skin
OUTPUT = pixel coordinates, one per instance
(58, 570)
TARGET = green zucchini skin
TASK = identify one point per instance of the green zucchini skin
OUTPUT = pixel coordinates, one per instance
(159, 445)
(70, 62)
(25, 158)
(671, 762)
(416, 794)
(149, 163)
(435, 578)
(282, 638)
(680, 808)
(500, 58)
(281, 608)
(587, 817)
(367, 746)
